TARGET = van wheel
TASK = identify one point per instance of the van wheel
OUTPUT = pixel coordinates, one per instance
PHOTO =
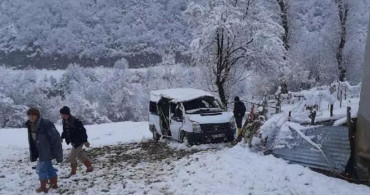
(156, 135)
(185, 139)
(231, 138)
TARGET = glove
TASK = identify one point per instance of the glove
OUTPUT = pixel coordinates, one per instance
(59, 160)
(87, 144)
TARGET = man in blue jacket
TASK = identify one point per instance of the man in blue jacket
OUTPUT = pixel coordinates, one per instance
(45, 145)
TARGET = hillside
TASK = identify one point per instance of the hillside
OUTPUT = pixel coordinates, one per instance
(52, 34)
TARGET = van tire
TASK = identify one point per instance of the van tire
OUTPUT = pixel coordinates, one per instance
(156, 135)
(185, 139)
(231, 138)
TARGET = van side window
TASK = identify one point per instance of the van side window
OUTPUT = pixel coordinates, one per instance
(153, 108)
(176, 111)
(173, 109)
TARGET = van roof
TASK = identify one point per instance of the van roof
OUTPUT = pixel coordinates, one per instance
(178, 94)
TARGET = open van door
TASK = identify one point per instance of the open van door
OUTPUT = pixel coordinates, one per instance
(176, 120)
(164, 115)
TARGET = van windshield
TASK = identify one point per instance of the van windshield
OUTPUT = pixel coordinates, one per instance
(202, 105)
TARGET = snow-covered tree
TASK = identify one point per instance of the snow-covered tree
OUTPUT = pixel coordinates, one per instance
(222, 43)
(356, 34)
(314, 37)
(12, 115)
(236, 36)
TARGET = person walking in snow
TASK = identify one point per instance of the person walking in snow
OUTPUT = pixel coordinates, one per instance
(45, 145)
(251, 129)
(239, 112)
(74, 133)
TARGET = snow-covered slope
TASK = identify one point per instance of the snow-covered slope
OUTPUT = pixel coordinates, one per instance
(164, 168)
(99, 135)
(238, 170)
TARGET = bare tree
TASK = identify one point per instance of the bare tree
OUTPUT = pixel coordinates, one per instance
(227, 57)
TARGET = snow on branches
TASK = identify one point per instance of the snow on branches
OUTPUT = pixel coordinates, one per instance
(233, 37)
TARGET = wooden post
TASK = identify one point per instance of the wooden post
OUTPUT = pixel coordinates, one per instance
(313, 117)
(278, 104)
(265, 108)
(280, 108)
(331, 110)
(341, 97)
(349, 118)
(338, 90)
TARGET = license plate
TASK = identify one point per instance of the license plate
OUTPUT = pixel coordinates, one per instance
(218, 136)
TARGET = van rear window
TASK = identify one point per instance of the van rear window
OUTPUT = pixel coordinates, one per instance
(153, 108)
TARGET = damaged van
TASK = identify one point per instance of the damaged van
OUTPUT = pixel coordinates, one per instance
(190, 116)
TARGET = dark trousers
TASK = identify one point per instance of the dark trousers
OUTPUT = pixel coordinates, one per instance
(239, 122)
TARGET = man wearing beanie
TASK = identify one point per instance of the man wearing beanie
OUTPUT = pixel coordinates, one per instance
(45, 145)
(74, 133)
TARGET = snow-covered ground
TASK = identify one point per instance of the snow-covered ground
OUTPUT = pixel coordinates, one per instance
(99, 135)
(127, 162)
(237, 170)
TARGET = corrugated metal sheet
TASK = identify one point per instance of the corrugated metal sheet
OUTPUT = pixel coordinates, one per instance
(334, 145)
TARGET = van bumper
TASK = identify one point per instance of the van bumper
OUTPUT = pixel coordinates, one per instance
(211, 137)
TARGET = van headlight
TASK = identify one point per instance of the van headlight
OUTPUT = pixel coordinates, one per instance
(196, 127)
(232, 123)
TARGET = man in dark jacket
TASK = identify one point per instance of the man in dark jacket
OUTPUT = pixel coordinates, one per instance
(45, 145)
(74, 133)
(239, 112)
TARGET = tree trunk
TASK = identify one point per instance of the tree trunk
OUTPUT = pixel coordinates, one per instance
(343, 12)
(284, 21)
(220, 67)
(221, 93)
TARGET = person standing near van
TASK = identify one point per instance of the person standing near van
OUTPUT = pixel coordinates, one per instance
(74, 133)
(45, 145)
(239, 112)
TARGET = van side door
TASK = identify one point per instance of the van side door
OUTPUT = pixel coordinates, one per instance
(176, 120)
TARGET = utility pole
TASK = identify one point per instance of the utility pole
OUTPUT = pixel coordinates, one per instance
(362, 135)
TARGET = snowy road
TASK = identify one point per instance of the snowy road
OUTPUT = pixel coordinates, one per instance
(128, 163)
